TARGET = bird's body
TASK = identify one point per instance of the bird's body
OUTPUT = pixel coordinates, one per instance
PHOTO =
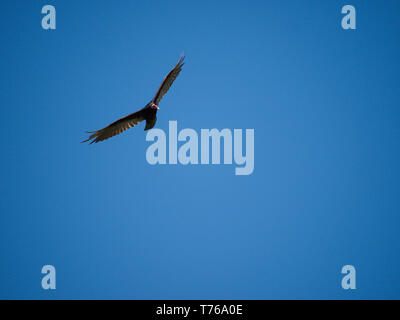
(148, 113)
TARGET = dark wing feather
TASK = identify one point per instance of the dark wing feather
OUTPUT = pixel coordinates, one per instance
(117, 127)
(168, 80)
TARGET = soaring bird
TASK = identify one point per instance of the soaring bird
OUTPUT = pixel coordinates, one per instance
(148, 113)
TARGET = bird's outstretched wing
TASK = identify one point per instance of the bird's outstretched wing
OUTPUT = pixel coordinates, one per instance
(116, 127)
(168, 80)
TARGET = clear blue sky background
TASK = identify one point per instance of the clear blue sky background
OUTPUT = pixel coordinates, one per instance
(324, 103)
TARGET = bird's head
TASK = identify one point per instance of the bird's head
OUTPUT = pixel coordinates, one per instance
(154, 106)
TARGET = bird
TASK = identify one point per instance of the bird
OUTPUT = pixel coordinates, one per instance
(148, 112)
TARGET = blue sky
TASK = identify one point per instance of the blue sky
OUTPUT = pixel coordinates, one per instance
(324, 104)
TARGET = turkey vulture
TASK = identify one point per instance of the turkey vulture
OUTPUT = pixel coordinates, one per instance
(148, 113)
